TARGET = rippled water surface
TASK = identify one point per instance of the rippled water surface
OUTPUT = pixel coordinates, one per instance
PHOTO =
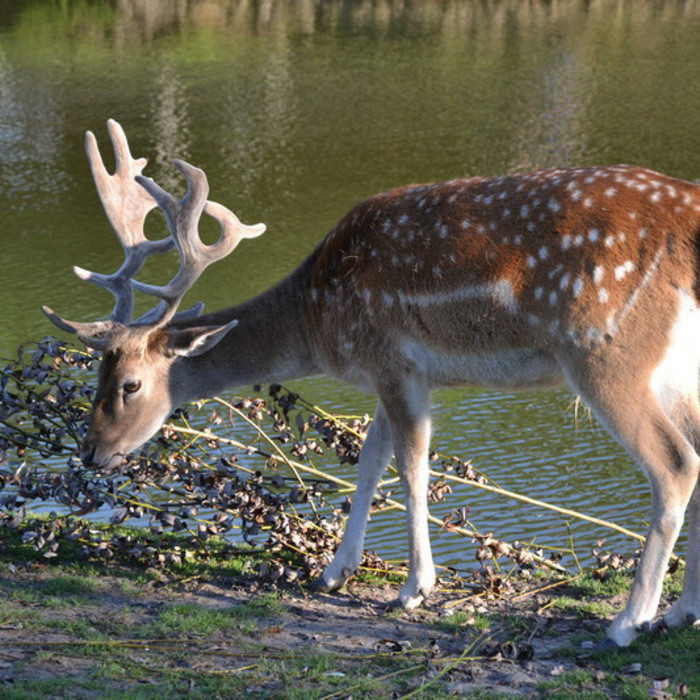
(298, 110)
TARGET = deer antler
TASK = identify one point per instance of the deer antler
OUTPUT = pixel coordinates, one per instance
(126, 206)
(182, 217)
(127, 197)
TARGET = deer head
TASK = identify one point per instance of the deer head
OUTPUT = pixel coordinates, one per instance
(137, 389)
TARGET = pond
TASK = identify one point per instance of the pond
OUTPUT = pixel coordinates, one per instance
(297, 111)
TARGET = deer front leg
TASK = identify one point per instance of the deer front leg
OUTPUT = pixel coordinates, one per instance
(409, 416)
(374, 459)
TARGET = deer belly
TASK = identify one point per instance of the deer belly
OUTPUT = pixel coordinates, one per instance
(515, 368)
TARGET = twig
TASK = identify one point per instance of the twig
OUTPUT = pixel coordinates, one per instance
(464, 656)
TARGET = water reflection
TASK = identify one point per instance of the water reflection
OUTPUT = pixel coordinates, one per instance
(455, 19)
(30, 138)
(170, 123)
(554, 123)
(298, 110)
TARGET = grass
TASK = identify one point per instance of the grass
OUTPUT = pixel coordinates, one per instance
(193, 619)
(460, 619)
(82, 602)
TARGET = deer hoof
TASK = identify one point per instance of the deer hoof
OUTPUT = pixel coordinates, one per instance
(608, 645)
(644, 627)
(323, 585)
(660, 627)
(320, 585)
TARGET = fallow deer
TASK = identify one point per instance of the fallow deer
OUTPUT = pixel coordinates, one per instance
(589, 276)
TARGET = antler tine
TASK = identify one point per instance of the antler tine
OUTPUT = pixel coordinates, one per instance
(183, 218)
(126, 205)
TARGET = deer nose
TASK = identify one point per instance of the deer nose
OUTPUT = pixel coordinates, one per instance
(87, 454)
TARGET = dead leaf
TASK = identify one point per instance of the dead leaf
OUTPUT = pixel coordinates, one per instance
(393, 645)
(632, 669)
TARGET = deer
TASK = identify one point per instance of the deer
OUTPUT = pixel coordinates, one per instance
(583, 276)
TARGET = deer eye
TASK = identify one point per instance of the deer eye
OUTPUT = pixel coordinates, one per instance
(132, 386)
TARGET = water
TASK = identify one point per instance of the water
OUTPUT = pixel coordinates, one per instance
(299, 110)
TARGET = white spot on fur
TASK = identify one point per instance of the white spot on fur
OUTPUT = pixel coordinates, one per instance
(531, 262)
(553, 298)
(593, 235)
(564, 281)
(598, 273)
(538, 293)
(615, 321)
(603, 295)
(555, 271)
(543, 252)
(566, 242)
(621, 271)
(577, 286)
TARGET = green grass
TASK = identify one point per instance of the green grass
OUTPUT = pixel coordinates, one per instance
(584, 607)
(194, 619)
(574, 684)
(460, 620)
(72, 584)
(676, 655)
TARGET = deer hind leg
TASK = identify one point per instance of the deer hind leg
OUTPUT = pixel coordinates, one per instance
(686, 610)
(637, 419)
(374, 459)
(408, 409)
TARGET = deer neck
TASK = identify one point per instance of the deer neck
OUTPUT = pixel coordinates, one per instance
(271, 343)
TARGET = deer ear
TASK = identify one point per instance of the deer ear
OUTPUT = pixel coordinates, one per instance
(188, 342)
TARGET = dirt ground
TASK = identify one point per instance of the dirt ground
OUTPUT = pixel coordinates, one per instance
(521, 646)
